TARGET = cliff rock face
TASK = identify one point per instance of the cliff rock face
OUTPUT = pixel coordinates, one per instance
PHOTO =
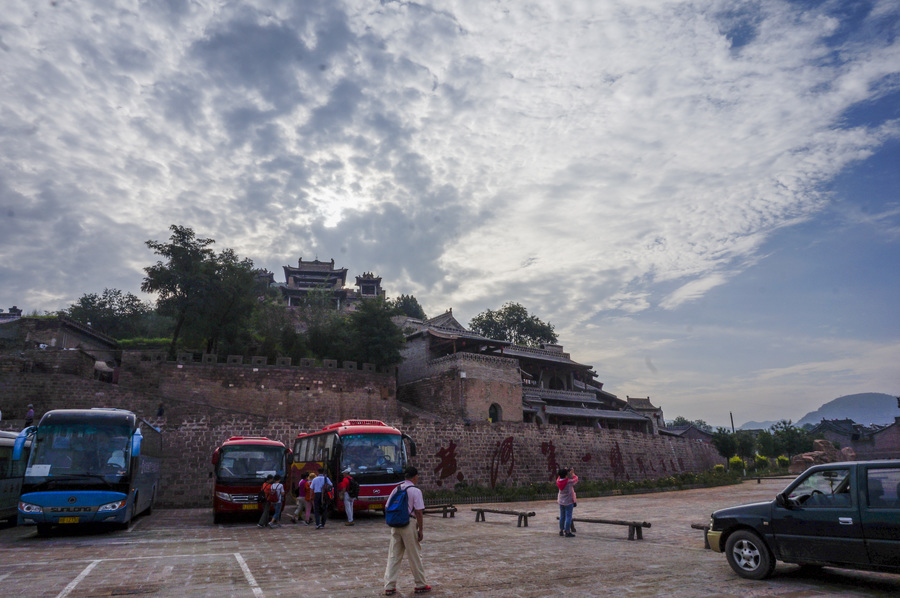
(824, 452)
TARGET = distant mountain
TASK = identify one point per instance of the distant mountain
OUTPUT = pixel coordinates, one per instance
(864, 408)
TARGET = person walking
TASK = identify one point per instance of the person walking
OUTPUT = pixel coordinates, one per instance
(278, 490)
(344, 488)
(29, 416)
(407, 540)
(304, 499)
(264, 519)
(566, 499)
(321, 486)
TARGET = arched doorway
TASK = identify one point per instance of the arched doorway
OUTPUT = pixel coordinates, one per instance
(495, 413)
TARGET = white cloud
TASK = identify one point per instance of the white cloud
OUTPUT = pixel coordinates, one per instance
(588, 160)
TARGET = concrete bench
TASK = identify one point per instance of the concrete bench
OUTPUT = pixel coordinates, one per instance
(445, 510)
(522, 515)
(634, 527)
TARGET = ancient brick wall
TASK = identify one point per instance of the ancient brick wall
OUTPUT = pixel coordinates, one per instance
(483, 454)
(206, 404)
(884, 444)
(464, 385)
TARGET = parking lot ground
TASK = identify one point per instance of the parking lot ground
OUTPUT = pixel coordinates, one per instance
(182, 553)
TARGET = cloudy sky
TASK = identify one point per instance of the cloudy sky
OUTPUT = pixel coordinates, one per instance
(701, 196)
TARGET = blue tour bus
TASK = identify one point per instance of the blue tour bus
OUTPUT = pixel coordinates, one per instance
(11, 473)
(88, 466)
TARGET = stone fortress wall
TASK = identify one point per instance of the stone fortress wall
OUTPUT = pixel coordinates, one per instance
(205, 403)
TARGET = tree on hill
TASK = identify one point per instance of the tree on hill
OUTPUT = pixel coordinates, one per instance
(408, 306)
(513, 323)
(112, 312)
(376, 339)
(207, 295)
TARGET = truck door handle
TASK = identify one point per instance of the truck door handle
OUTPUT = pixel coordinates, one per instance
(845, 520)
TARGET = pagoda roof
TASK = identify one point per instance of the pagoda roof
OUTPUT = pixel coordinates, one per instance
(558, 357)
(639, 404)
(594, 413)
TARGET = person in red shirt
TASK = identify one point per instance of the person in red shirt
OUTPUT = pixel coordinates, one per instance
(343, 487)
(566, 499)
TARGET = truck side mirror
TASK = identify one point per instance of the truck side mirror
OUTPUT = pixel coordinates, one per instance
(782, 501)
(215, 457)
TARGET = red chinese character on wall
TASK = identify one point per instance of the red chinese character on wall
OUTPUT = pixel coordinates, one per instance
(447, 466)
(503, 455)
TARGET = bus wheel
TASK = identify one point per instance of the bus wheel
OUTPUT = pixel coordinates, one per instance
(43, 530)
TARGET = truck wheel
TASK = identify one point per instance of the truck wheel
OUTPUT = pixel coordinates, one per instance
(748, 555)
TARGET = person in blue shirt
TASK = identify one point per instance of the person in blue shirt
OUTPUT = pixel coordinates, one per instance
(322, 484)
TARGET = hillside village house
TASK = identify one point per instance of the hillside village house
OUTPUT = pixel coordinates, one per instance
(455, 372)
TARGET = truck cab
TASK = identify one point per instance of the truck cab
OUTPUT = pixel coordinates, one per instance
(838, 515)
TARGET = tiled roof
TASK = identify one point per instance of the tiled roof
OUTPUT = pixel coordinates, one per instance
(640, 404)
(594, 413)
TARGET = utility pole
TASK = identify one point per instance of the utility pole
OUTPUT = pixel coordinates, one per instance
(731, 415)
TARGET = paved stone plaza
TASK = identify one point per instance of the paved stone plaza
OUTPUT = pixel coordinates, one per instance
(181, 553)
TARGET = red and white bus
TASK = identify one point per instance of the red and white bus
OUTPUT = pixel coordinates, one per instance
(241, 466)
(374, 451)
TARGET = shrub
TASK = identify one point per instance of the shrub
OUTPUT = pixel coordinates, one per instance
(735, 463)
(783, 462)
(761, 462)
(719, 469)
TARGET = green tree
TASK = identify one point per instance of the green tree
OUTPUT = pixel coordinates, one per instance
(179, 281)
(766, 445)
(227, 302)
(724, 442)
(112, 312)
(268, 324)
(790, 440)
(513, 323)
(208, 296)
(408, 306)
(376, 339)
(745, 445)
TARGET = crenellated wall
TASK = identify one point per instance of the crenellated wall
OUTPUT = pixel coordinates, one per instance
(205, 404)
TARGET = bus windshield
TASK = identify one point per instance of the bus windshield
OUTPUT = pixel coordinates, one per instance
(79, 451)
(250, 462)
(364, 453)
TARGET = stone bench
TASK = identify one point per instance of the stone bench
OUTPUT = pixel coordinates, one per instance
(634, 527)
(522, 515)
(445, 510)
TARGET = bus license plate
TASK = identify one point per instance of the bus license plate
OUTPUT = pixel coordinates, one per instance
(68, 519)
(249, 507)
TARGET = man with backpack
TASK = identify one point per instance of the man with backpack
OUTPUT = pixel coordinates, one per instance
(276, 496)
(405, 502)
(322, 488)
(349, 489)
(263, 498)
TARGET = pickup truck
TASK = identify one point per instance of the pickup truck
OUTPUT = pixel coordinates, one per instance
(843, 515)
